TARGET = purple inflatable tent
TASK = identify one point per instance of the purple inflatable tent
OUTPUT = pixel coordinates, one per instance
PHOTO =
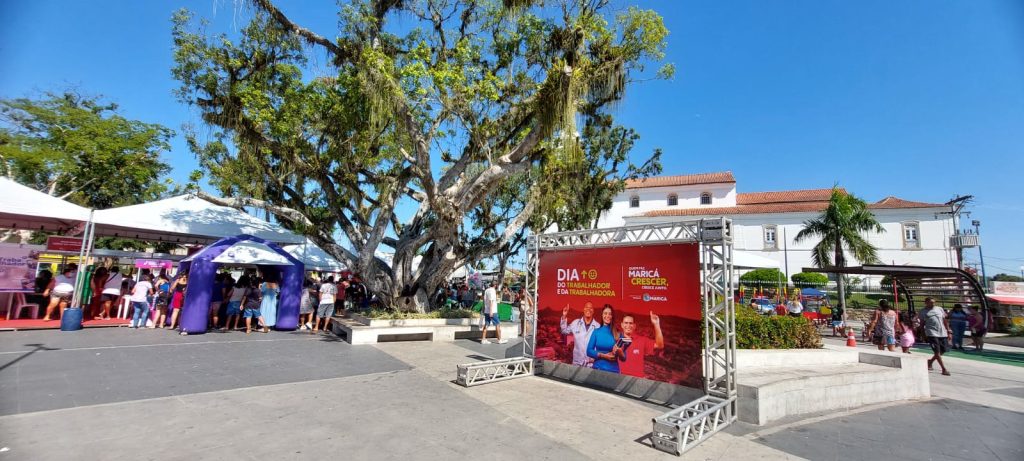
(202, 268)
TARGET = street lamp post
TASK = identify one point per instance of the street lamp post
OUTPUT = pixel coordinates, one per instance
(981, 256)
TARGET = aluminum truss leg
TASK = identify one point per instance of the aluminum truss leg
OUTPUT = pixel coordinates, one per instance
(682, 428)
(471, 374)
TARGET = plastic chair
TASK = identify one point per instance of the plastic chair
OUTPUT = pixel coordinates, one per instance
(18, 306)
(124, 308)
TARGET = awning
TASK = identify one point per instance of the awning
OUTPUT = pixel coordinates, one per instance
(22, 207)
(248, 253)
(1005, 299)
(748, 260)
(186, 219)
(315, 258)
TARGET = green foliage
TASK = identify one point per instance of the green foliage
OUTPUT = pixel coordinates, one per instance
(1016, 330)
(755, 331)
(809, 279)
(467, 111)
(841, 227)
(763, 277)
(68, 144)
(1007, 278)
(437, 314)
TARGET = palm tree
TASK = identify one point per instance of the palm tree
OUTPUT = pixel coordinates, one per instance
(841, 227)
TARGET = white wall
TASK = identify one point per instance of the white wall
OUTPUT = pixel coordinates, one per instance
(656, 198)
(793, 256)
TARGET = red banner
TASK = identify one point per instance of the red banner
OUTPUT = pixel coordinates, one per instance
(628, 310)
(55, 243)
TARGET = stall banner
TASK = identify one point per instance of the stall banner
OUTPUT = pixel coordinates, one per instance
(18, 268)
(651, 289)
(154, 264)
(57, 243)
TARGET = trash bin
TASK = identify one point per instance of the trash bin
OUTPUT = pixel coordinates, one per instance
(71, 320)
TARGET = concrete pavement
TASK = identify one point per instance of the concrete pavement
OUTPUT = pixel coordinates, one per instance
(156, 395)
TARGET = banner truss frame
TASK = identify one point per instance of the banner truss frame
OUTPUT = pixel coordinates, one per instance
(686, 426)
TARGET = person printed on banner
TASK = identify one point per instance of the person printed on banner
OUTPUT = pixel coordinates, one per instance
(581, 329)
(490, 314)
(604, 347)
(111, 291)
(635, 348)
(60, 290)
(140, 302)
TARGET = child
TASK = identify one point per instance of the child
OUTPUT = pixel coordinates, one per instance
(907, 337)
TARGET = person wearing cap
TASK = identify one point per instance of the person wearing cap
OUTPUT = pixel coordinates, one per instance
(60, 291)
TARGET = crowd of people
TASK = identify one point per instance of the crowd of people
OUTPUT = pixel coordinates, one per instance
(249, 303)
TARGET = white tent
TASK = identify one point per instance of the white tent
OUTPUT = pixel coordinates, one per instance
(748, 260)
(24, 208)
(186, 219)
(315, 258)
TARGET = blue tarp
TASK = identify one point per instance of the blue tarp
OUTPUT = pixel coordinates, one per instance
(812, 293)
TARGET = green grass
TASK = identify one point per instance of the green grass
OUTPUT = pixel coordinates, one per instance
(990, 356)
(864, 300)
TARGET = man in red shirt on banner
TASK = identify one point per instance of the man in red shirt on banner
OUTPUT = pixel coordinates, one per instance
(635, 347)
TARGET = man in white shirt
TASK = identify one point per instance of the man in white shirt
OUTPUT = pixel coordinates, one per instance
(490, 312)
(140, 302)
(580, 329)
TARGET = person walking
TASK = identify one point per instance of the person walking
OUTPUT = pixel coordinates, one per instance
(907, 339)
(306, 305)
(958, 323)
(883, 327)
(140, 301)
(234, 294)
(794, 307)
(490, 313)
(268, 305)
(936, 329)
(979, 328)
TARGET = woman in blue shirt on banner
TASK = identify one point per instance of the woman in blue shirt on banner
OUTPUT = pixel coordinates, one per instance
(602, 347)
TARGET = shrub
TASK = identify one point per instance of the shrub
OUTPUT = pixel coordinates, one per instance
(809, 279)
(756, 331)
(438, 314)
(760, 277)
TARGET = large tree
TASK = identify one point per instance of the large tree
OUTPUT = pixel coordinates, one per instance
(440, 111)
(841, 228)
(79, 148)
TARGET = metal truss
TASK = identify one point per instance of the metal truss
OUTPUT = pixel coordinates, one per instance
(490, 371)
(681, 428)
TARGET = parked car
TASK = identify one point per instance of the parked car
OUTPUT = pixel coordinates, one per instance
(764, 306)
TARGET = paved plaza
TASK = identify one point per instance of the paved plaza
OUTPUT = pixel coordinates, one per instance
(116, 394)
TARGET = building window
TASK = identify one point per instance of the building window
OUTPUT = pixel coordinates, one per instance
(770, 242)
(673, 199)
(705, 198)
(634, 202)
(911, 236)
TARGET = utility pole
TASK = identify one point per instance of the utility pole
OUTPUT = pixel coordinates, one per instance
(956, 206)
(981, 256)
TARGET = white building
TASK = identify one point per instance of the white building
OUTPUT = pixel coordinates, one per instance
(766, 223)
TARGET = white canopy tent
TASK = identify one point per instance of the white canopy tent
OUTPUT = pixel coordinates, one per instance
(24, 208)
(748, 260)
(186, 219)
(315, 258)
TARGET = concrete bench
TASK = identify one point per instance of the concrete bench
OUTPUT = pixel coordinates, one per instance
(774, 384)
(356, 332)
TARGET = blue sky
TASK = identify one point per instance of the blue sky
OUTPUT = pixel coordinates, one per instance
(919, 99)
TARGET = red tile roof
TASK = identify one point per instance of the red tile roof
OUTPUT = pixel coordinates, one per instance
(788, 196)
(795, 201)
(683, 180)
(891, 202)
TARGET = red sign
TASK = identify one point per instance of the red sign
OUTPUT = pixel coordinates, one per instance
(55, 243)
(629, 310)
